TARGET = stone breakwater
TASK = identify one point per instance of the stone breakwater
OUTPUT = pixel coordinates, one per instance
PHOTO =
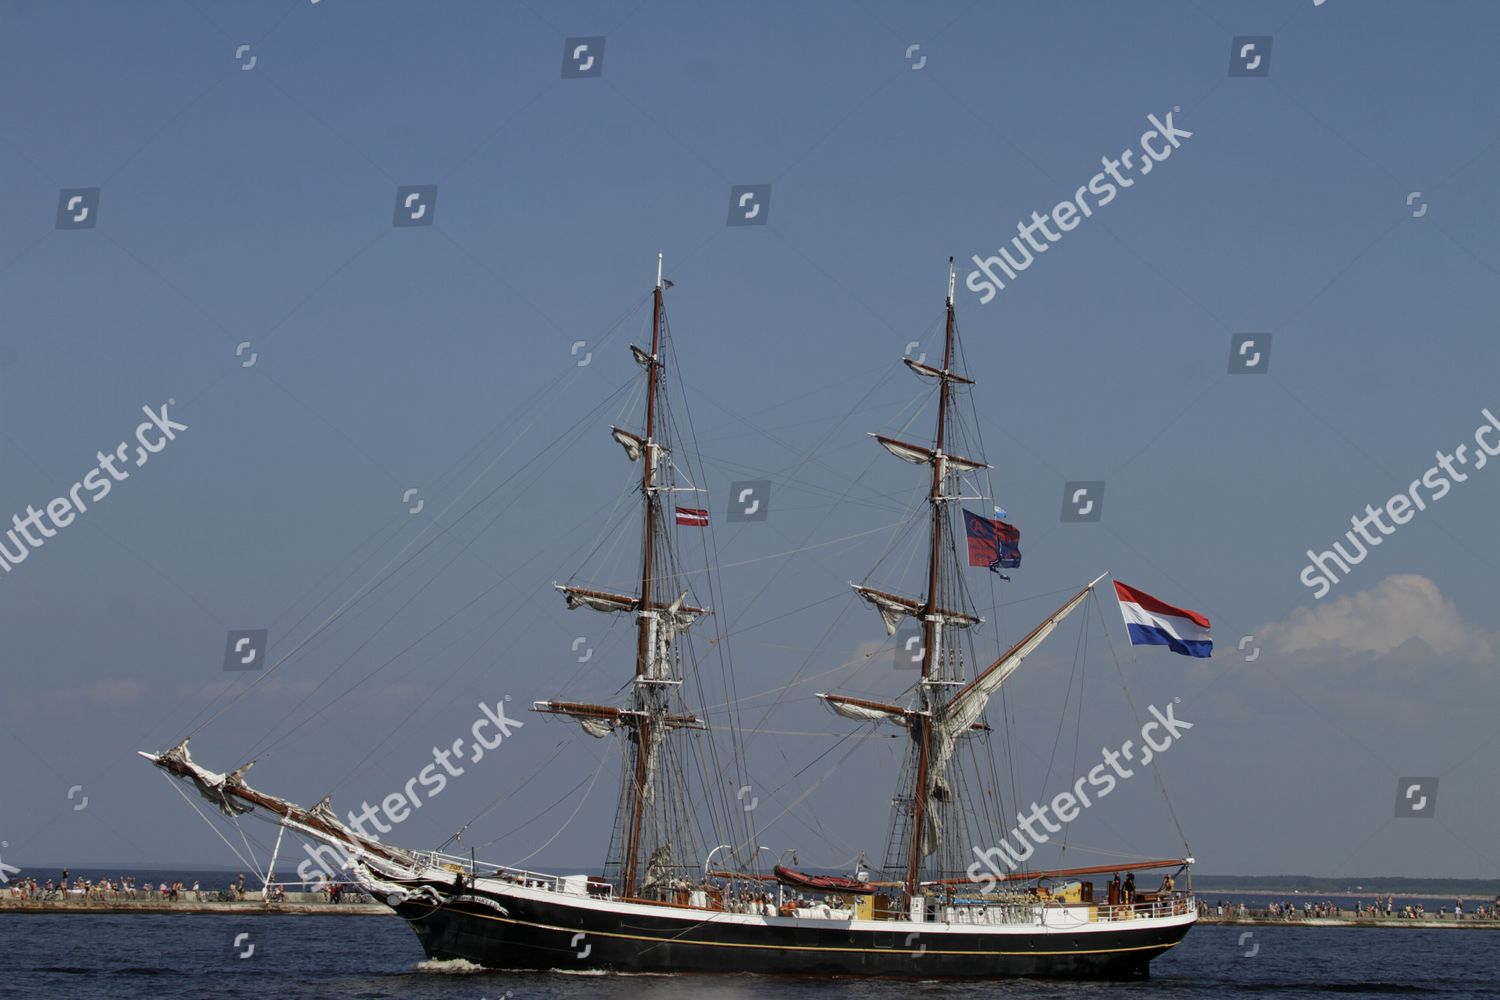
(238, 908)
(1430, 921)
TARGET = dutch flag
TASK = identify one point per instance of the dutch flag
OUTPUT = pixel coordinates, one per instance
(1156, 623)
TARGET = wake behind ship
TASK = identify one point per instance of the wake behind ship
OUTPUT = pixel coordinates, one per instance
(661, 904)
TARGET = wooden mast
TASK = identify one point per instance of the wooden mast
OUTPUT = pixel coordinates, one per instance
(932, 629)
(644, 620)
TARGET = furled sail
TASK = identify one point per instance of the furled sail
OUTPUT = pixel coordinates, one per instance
(596, 600)
(658, 868)
(597, 720)
(234, 798)
(864, 710)
(608, 718)
(894, 607)
(914, 453)
(633, 444)
(597, 728)
(677, 615)
(932, 822)
(210, 784)
(676, 618)
(964, 709)
(657, 735)
(927, 371)
(920, 455)
(324, 811)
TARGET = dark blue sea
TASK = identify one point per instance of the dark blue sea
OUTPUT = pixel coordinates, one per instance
(166, 957)
(123, 957)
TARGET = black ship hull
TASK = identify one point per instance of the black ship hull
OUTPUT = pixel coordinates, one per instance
(519, 931)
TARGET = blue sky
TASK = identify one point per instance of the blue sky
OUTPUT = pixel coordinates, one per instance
(255, 205)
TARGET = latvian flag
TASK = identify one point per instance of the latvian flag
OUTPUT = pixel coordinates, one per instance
(692, 517)
(1155, 623)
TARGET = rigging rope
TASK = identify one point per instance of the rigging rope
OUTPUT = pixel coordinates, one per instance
(1155, 768)
(219, 833)
(561, 746)
(582, 799)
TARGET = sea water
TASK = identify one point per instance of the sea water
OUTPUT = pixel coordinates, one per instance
(167, 957)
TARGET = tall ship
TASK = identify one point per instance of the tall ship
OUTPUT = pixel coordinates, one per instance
(667, 901)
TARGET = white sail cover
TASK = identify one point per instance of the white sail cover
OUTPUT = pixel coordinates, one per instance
(656, 737)
(914, 453)
(927, 371)
(210, 784)
(969, 704)
(596, 600)
(677, 616)
(597, 728)
(920, 455)
(894, 607)
(658, 867)
(601, 720)
(324, 811)
(957, 464)
(861, 711)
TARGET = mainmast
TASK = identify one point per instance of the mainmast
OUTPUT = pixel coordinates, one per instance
(948, 707)
(931, 621)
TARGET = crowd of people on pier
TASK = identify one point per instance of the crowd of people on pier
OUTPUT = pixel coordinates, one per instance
(127, 888)
(108, 889)
(101, 890)
(1382, 908)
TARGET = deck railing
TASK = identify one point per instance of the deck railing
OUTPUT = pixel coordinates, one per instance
(1163, 906)
(520, 876)
(966, 911)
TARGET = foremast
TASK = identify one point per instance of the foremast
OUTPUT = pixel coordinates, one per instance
(650, 834)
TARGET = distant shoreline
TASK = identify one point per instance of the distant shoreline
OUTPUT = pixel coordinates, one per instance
(1426, 890)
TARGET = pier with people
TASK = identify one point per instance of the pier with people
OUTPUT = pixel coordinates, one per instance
(65, 893)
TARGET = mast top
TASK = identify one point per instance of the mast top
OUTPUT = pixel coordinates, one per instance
(950, 281)
(658, 276)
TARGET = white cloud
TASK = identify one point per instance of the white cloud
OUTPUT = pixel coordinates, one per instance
(1396, 611)
(111, 692)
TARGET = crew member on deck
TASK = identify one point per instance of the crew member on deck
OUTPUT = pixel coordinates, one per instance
(1167, 884)
(1114, 890)
(1129, 887)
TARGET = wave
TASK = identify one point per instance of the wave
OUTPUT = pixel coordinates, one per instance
(450, 967)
